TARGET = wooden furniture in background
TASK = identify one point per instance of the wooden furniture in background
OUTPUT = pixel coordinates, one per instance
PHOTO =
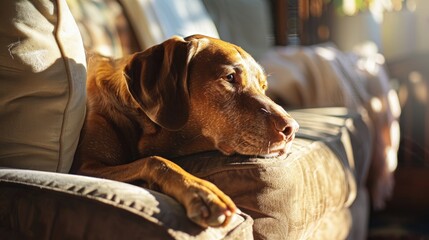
(301, 22)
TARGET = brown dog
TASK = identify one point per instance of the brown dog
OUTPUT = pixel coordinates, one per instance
(179, 97)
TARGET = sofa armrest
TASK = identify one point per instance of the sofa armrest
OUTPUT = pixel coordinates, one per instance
(44, 205)
(307, 194)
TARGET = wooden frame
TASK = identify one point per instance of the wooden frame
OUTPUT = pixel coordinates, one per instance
(301, 22)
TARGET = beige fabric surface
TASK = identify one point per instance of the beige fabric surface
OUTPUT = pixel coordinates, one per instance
(97, 21)
(287, 198)
(304, 194)
(42, 85)
(154, 21)
(321, 76)
(104, 27)
(335, 225)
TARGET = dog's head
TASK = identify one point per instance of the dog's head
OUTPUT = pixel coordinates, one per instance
(214, 88)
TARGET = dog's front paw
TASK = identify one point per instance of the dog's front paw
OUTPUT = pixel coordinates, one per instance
(206, 205)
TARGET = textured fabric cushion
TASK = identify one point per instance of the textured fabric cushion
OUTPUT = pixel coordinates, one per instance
(155, 21)
(42, 85)
(43, 205)
(306, 194)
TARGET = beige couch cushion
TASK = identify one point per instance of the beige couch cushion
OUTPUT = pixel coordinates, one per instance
(42, 85)
(155, 21)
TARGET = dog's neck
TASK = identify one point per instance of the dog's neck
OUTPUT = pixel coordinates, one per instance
(182, 142)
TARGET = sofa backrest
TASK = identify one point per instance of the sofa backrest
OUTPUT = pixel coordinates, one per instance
(157, 20)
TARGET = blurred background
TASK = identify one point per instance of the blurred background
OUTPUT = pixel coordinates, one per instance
(397, 33)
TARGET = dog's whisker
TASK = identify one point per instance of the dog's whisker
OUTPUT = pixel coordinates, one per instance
(196, 136)
(241, 143)
(268, 147)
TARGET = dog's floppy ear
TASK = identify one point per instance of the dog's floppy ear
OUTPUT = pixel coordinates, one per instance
(157, 79)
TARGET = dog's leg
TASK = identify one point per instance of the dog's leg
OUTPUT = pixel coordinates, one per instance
(205, 204)
(101, 154)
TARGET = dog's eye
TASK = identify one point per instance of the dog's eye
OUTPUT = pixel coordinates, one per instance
(230, 78)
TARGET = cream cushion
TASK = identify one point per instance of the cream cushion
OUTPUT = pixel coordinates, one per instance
(157, 20)
(42, 85)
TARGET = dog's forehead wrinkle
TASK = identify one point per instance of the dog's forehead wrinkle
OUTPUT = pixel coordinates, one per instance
(255, 74)
(202, 43)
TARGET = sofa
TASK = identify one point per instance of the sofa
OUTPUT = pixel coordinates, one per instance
(318, 191)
